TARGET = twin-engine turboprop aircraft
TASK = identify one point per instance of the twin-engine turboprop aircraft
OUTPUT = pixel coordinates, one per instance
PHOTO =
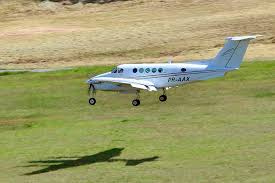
(131, 78)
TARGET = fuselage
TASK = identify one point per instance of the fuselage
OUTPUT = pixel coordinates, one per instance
(162, 75)
(152, 77)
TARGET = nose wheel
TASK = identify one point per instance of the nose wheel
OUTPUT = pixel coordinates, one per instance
(92, 91)
(92, 101)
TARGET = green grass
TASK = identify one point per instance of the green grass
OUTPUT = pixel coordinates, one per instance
(219, 130)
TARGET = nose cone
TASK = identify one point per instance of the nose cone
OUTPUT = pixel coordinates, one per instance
(90, 81)
(93, 81)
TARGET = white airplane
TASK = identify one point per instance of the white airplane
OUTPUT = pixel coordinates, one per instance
(131, 78)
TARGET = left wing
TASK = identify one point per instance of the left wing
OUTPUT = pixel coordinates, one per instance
(141, 84)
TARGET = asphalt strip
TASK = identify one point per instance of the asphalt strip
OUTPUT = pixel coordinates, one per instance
(34, 70)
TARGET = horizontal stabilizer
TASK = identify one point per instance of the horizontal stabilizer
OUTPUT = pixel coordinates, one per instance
(239, 38)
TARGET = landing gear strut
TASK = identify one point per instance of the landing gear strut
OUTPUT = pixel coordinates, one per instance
(163, 97)
(92, 101)
(136, 102)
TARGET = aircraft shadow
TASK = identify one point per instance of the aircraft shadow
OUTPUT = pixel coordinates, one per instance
(58, 163)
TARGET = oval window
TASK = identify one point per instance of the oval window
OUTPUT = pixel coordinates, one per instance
(135, 70)
(141, 70)
(160, 69)
(183, 69)
(147, 70)
(154, 70)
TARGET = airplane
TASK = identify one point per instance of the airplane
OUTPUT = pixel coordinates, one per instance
(132, 78)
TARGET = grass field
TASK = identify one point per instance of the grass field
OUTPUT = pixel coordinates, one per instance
(215, 131)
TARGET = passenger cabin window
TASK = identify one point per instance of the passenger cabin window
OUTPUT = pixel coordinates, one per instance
(147, 70)
(154, 70)
(160, 70)
(141, 70)
(183, 69)
(135, 70)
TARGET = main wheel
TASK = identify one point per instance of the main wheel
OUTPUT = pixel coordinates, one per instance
(92, 101)
(163, 98)
(136, 102)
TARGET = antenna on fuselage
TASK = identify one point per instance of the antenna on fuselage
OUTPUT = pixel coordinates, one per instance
(170, 60)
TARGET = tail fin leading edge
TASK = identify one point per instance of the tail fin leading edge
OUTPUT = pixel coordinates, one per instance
(231, 55)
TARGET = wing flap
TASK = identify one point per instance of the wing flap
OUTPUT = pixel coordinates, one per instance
(152, 88)
(139, 86)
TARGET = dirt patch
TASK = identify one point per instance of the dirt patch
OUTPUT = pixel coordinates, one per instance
(134, 32)
(11, 122)
(39, 30)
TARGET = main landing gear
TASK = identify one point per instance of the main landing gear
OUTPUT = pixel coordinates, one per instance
(136, 102)
(163, 97)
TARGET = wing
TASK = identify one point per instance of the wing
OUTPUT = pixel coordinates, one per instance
(141, 84)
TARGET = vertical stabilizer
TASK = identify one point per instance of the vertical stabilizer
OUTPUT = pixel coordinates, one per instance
(232, 54)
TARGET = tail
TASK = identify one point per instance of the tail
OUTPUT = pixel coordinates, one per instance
(231, 55)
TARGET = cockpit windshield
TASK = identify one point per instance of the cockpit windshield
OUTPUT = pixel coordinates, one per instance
(120, 70)
(114, 70)
(117, 70)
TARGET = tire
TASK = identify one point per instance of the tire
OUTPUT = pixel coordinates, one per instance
(163, 98)
(136, 102)
(92, 101)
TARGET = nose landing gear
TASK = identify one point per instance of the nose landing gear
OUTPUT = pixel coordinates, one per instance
(92, 101)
